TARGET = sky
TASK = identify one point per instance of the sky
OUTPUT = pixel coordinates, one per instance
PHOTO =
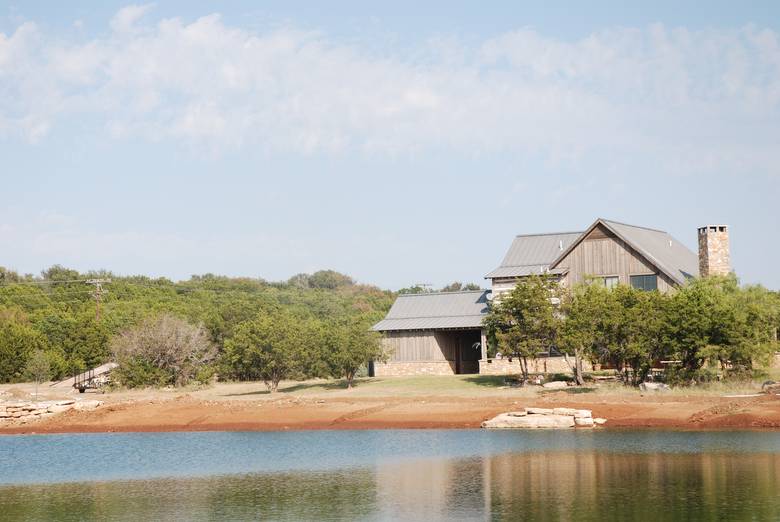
(401, 144)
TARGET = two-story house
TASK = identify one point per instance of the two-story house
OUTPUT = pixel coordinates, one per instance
(441, 333)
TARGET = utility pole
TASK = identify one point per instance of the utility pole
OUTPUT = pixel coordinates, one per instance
(98, 293)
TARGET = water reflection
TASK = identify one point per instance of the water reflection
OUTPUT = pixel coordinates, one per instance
(537, 486)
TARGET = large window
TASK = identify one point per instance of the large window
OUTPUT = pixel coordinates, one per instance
(611, 281)
(645, 282)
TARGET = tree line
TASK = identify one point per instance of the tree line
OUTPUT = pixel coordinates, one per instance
(708, 328)
(172, 333)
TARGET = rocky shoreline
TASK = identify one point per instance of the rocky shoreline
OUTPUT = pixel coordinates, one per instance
(22, 412)
(546, 418)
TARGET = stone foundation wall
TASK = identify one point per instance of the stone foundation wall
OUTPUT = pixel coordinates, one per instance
(397, 368)
(540, 365)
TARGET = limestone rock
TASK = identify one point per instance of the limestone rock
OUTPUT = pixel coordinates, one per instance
(504, 421)
(87, 405)
(771, 387)
(599, 421)
(654, 386)
(564, 411)
(583, 422)
(555, 385)
(517, 413)
(59, 408)
(582, 414)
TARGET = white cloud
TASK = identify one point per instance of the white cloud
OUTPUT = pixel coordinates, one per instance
(692, 99)
(124, 21)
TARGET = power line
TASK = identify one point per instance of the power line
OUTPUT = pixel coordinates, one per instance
(98, 293)
(44, 282)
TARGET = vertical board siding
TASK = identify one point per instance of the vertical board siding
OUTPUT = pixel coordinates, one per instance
(414, 346)
(431, 346)
(601, 255)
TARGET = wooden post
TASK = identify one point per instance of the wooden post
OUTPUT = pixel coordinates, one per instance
(483, 343)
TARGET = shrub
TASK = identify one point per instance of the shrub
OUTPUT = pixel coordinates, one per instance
(162, 351)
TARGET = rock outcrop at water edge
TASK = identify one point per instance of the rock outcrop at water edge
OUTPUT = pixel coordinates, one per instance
(544, 418)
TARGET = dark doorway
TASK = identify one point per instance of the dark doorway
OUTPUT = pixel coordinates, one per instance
(461, 348)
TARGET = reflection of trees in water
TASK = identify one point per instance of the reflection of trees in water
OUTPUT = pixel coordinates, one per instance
(293, 496)
(538, 486)
(431, 489)
(589, 486)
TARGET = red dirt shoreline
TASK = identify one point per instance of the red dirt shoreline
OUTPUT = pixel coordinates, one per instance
(185, 413)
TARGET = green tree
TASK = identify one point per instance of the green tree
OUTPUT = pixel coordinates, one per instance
(18, 340)
(329, 279)
(525, 321)
(350, 347)
(457, 286)
(60, 273)
(743, 328)
(269, 347)
(582, 333)
(38, 368)
(416, 289)
(696, 325)
(9, 276)
(618, 326)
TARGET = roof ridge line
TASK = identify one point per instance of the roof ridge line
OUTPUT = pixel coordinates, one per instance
(430, 317)
(633, 226)
(481, 290)
(549, 233)
(541, 263)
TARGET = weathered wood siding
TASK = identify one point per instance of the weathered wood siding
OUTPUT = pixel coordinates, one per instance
(604, 254)
(502, 285)
(455, 347)
(418, 346)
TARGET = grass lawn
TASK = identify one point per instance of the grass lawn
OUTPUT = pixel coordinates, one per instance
(471, 385)
(406, 386)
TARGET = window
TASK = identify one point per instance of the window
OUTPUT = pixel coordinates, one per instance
(611, 281)
(605, 281)
(644, 282)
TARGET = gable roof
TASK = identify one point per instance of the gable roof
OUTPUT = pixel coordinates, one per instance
(533, 254)
(436, 310)
(662, 250)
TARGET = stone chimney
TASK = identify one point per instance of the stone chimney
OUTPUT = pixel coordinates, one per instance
(714, 250)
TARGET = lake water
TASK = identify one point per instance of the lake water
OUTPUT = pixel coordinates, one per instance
(392, 475)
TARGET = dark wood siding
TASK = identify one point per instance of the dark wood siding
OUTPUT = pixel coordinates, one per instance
(603, 254)
(454, 346)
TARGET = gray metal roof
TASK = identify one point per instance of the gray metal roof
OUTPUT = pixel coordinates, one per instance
(660, 248)
(669, 255)
(436, 310)
(520, 271)
(531, 254)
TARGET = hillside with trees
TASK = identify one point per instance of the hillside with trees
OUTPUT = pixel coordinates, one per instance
(172, 333)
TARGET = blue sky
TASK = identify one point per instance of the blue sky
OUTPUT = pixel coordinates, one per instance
(399, 144)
